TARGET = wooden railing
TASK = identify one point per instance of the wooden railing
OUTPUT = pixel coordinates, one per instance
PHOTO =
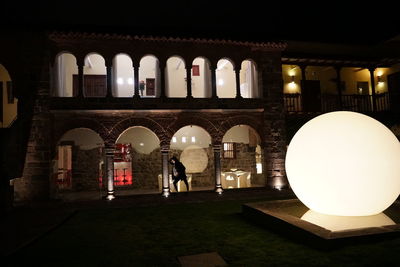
(328, 102)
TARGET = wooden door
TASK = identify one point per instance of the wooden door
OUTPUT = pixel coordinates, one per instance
(311, 96)
(150, 87)
(93, 85)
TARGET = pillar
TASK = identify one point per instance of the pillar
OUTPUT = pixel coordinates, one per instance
(339, 86)
(162, 78)
(109, 80)
(110, 172)
(80, 79)
(371, 73)
(237, 78)
(165, 174)
(136, 77)
(213, 81)
(189, 81)
(217, 168)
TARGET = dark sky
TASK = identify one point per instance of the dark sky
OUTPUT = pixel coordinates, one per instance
(236, 19)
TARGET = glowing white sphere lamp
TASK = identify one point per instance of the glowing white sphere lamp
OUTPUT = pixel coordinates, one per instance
(344, 163)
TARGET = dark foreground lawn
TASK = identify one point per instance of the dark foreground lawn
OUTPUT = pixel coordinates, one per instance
(157, 235)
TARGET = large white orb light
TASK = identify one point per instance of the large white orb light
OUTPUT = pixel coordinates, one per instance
(344, 163)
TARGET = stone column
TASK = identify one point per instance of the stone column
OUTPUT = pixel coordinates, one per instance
(371, 73)
(110, 172)
(136, 67)
(217, 167)
(165, 173)
(339, 86)
(80, 79)
(274, 130)
(237, 76)
(161, 65)
(189, 81)
(109, 80)
(213, 81)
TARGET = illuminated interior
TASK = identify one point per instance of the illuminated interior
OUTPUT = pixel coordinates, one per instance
(344, 163)
(192, 146)
(241, 158)
(137, 161)
(79, 161)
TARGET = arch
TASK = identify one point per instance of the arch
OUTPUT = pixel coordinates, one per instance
(78, 164)
(192, 145)
(8, 112)
(249, 79)
(94, 75)
(242, 120)
(175, 77)
(66, 75)
(148, 123)
(123, 76)
(201, 78)
(202, 122)
(138, 163)
(149, 76)
(67, 125)
(225, 78)
(242, 158)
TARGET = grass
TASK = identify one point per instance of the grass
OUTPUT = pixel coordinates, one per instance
(157, 235)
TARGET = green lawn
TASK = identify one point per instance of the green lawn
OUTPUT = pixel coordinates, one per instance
(157, 235)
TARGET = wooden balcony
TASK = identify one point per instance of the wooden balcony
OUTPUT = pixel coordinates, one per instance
(295, 103)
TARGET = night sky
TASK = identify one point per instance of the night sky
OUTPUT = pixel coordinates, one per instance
(326, 21)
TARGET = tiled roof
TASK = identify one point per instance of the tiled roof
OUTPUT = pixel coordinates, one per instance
(105, 36)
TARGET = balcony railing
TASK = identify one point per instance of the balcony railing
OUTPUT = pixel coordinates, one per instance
(296, 103)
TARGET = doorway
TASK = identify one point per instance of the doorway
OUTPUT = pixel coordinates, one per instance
(150, 87)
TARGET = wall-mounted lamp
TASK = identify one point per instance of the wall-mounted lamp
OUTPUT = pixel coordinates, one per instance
(292, 78)
(380, 81)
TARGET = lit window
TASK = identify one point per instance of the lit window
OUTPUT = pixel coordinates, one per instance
(193, 139)
(229, 151)
(183, 139)
(174, 139)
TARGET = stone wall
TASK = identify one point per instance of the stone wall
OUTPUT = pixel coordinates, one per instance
(146, 168)
(85, 169)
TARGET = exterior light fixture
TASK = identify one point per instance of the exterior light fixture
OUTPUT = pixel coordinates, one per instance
(380, 81)
(120, 81)
(344, 163)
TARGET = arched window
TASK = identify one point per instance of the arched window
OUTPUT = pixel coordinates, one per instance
(137, 160)
(192, 146)
(149, 77)
(249, 80)
(241, 158)
(123, 76)
(8, 103)
(176, 77)
(201, 78)
(94, 76)
(66, 76)
(226, 82)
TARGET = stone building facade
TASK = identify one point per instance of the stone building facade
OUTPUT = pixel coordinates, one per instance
(109, 116)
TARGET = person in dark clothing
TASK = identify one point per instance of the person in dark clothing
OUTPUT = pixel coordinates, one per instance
(178, 173)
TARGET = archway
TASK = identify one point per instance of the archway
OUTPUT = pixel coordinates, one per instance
(137, 161)
(176, 77)
(249, 80)
(201, 78)
(241, 158)
(226, 82)
(123, 76)
(192, 146)
(8, 103)
(79, 164)
(66, 75)
(94, 76)
(149, 77)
